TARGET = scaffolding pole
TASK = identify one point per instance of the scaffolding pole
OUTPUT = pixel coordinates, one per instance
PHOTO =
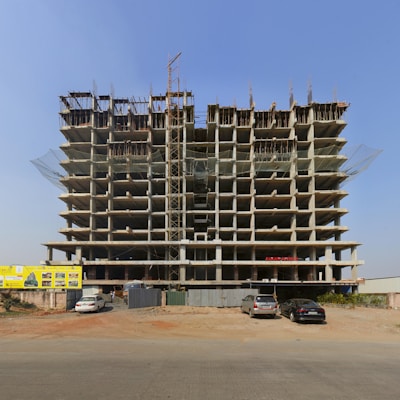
(174, 128)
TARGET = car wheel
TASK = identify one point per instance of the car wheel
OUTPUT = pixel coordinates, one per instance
(292, 317)
(251, 315)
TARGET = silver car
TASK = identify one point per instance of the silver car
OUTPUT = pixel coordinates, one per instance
(259, 304)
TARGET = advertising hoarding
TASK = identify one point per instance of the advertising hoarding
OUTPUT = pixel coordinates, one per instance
(40, 277)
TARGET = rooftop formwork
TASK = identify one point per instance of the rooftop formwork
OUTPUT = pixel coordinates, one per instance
(254, 196)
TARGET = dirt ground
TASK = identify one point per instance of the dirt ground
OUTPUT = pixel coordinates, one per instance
(116, 321)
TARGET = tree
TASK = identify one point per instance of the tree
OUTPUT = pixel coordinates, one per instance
(7, 300)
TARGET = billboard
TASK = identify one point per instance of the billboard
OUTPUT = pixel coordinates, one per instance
(40, 277)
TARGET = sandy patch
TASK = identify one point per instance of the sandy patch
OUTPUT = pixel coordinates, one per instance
(357, 324)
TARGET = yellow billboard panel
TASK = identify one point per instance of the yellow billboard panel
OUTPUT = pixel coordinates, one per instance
(40, 277)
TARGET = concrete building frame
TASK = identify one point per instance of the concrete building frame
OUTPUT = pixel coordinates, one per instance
(249, 196)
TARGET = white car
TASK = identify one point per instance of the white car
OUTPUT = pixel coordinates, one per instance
(90, 303)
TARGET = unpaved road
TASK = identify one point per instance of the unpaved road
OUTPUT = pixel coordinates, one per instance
(185, 353)
(116, 321)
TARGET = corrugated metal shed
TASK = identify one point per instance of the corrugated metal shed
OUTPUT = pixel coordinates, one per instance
(218, 297)
(175, 298)
(139, 298)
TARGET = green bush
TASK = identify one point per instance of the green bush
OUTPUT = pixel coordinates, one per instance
(353, 299)
(7, 304)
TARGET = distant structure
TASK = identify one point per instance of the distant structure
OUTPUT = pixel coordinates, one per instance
(251, 198)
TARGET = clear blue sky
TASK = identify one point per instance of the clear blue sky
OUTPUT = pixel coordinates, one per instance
(347, 49)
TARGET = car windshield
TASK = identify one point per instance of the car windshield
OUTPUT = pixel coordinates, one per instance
(309, 303)
(265, 299)
(84, 299)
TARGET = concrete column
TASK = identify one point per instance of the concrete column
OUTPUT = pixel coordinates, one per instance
(182, 268)
(354, 268)
(252, 177)
(328, 273)
(182, 273)
(217, 177)
(109, 220)
(92, 203)
(50, 253)
(311, 172)
(218, 272)
(218, 253)
(313, 257)
(328, 266)
(218, 259)
(52, 299)
(328, 253)
(79, 254)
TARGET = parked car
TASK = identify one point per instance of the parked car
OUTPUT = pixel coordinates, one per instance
(260, 304)
(90, 303)
(299, 310)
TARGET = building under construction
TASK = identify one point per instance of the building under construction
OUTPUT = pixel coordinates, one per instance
(252, 197)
